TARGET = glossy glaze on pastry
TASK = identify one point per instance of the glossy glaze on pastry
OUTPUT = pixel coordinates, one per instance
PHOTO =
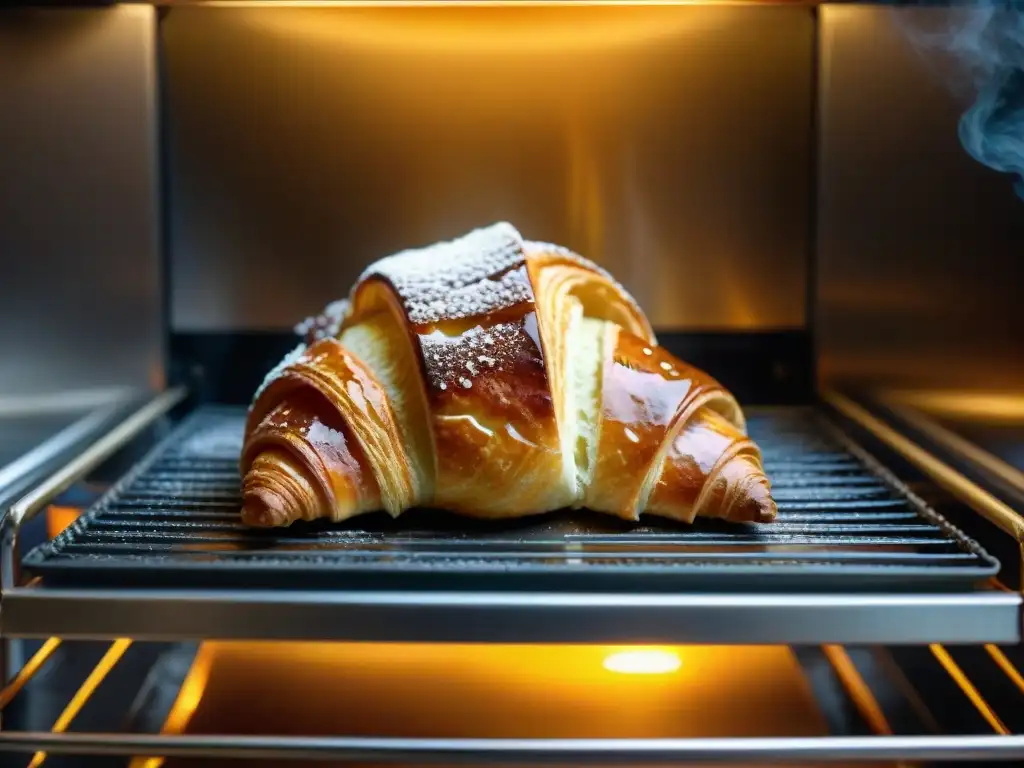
(493, 377)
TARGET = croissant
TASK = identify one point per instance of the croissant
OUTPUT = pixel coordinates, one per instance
(493, 377)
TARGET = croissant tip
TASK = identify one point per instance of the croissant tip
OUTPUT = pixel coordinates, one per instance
(759, 506)
(767, 513)
(264, 509)
(766, 508)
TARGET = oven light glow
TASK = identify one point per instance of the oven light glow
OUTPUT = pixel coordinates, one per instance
(645, 661)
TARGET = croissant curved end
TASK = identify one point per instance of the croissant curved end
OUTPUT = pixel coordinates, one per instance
(265, 508)
(271, 494)
(758, 505)
(278, 489)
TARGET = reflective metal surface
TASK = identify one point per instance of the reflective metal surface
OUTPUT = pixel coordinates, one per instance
(77, 467)
(994, 441)
(919, 253)
(670, 143)
(514, 617)
(31, 442)
(627, 752)
(987, 505)
(80, 302)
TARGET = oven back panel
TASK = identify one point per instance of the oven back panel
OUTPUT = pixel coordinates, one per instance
(670, 144)
(918, 262)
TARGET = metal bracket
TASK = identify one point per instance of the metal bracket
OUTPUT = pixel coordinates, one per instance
(29, 505)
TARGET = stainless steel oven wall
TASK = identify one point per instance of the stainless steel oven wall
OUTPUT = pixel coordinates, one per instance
(921, 249)
(79, 270)
(671, 144)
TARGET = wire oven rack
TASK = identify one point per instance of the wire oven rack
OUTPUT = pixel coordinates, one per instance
(844, 524)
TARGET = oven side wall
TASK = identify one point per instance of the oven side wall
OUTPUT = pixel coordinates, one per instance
(80, 295)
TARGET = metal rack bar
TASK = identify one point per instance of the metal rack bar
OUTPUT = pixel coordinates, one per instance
(945, 437)
(1007, 667)
(37, 458)
(27, 671)
(527, 751)
(969, 689)
(153, 614)
(85, 692)
(983, 502)
(36, 500)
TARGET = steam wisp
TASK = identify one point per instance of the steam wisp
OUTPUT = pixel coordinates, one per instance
(987, 39)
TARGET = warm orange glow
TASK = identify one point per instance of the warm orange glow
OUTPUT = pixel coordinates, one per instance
(26, 672)
(991, 407)
(464, 3)
(501, 29)
(584, 193)
(59, 518)
(186, 703)
(923, 412)
(1007, 666)
(82, 695)
(969, 690)
(858, 689)
(490, 691)
(643, 661)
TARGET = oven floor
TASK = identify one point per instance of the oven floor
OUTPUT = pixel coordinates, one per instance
(424, 690)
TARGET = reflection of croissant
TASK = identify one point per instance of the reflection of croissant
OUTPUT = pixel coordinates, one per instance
(496, 378)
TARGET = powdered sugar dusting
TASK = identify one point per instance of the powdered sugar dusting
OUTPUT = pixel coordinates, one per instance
(479, 273)
(331, 446)
(458, 360)
(290, 359)
(322, 436)
(325, 325)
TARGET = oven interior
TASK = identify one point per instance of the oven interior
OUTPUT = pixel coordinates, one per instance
(784, 188)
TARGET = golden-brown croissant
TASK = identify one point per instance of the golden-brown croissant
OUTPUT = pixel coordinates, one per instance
(493, 377)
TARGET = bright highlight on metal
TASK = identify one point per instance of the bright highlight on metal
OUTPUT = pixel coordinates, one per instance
(643, 661)
(32, 666)
(92, 682)
(960, 486)
(972, 693)
(185, 705)
(1007, 666)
